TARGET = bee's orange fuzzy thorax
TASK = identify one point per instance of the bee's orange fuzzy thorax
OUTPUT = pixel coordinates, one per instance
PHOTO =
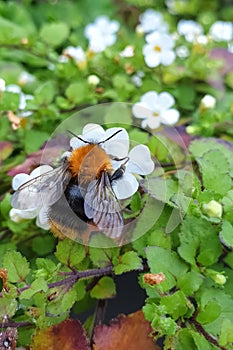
(88, 162)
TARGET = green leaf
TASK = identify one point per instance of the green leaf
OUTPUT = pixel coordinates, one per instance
(188, 339)
(226, 335)
(105, 288)
(118, 114)
(226, 234)
(199, 241)
(227, 202)
(128, 262)
(176, 304)
(190, 282)
(16, 265)
(168, 262)
(37, 286)
(70, 253)
(136, 202)
(54, 33)
(11, 32)
(43, 245)
(34, 139)
(10, 102)
(209, 313)
(45, 93)
(63, 301)
(77, 92)
(105, 255)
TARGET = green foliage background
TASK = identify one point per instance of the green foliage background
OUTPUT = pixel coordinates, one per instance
(47, 278)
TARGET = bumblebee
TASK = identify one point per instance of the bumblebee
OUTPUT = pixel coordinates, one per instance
(78, 194)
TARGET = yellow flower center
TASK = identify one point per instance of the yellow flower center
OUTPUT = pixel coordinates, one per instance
(155, 114)
(157, 48)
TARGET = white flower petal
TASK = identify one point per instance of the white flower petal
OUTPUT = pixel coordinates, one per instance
(19, 180)
(118, 145)
(152, 60)
(76, 143)
(40, 170)
(154, 122)
(140, 161)
(43, 219)
(125, 187)
(17, 215)
(170, 117)
(166, 100)
(93, 133)
(140, 110)
(150, 99)
(167, 57)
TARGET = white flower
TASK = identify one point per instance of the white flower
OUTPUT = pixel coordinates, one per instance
(128, 51)
(222, 31)
(152, 20)
(182, 51)
(155, 109)
(118, 146)
(2, 85)
(101, 33)
(137, 78)
(76, 53)
(190, 29)
(23, 98)
(39, 212)
(158, 50)
(93, 80)
(25, 78)
(208, 102)
(213, 209)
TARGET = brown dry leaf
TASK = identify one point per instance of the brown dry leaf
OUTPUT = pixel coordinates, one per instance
(130, 332)
(6, 148)
(67, 335)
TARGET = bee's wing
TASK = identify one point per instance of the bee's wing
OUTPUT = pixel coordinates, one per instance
(43, 190)
(102, 206)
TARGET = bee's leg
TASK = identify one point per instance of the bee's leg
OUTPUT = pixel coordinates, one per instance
(118, 173)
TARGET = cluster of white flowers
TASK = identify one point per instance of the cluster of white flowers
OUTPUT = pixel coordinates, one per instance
(101, 33)
(139, 163)
(159, 47)
(76, 53)
(25, 78)
(155, 109)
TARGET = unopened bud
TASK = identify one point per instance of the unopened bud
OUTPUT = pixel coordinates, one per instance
(213, 209)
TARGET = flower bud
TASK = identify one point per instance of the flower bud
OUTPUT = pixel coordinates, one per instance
(213, 209)
(220, 279)
(208, 102)
(93, 80)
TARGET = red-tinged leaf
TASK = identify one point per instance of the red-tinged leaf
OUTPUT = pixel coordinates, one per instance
(67, 335)
(130, 332)
(6, 148)
(226, 57)
(48, 154)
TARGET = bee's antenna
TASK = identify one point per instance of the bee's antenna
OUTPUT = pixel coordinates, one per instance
(78, 137)
(117, 132)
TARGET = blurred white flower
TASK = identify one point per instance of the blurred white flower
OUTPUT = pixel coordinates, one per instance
(23, 98)
(155, 109)
(39, 212)
(182, 51)
(152, 20)
(137, 78)
(128, 51)
(101, 33)
(2, 85)
(76, 53)
(25, 78)
(158, 50)
(208, 102)
(140, 161)
(190, 29)
(93, 80)
(222, 31)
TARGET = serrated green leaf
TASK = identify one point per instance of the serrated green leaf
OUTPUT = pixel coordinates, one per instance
(199, 241)
(54, 33)
(70, 253)
(168, 262)
(8, 306)
(34, 139)
(102, 257)
(128, 262)
(136, 202)
(209, 313)
(16, 265)
(105, 288)
(45, 93)
(226, 234)
(63, 302)
(176, 304)
(38, 285)
(43, 245)
(189, 282)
